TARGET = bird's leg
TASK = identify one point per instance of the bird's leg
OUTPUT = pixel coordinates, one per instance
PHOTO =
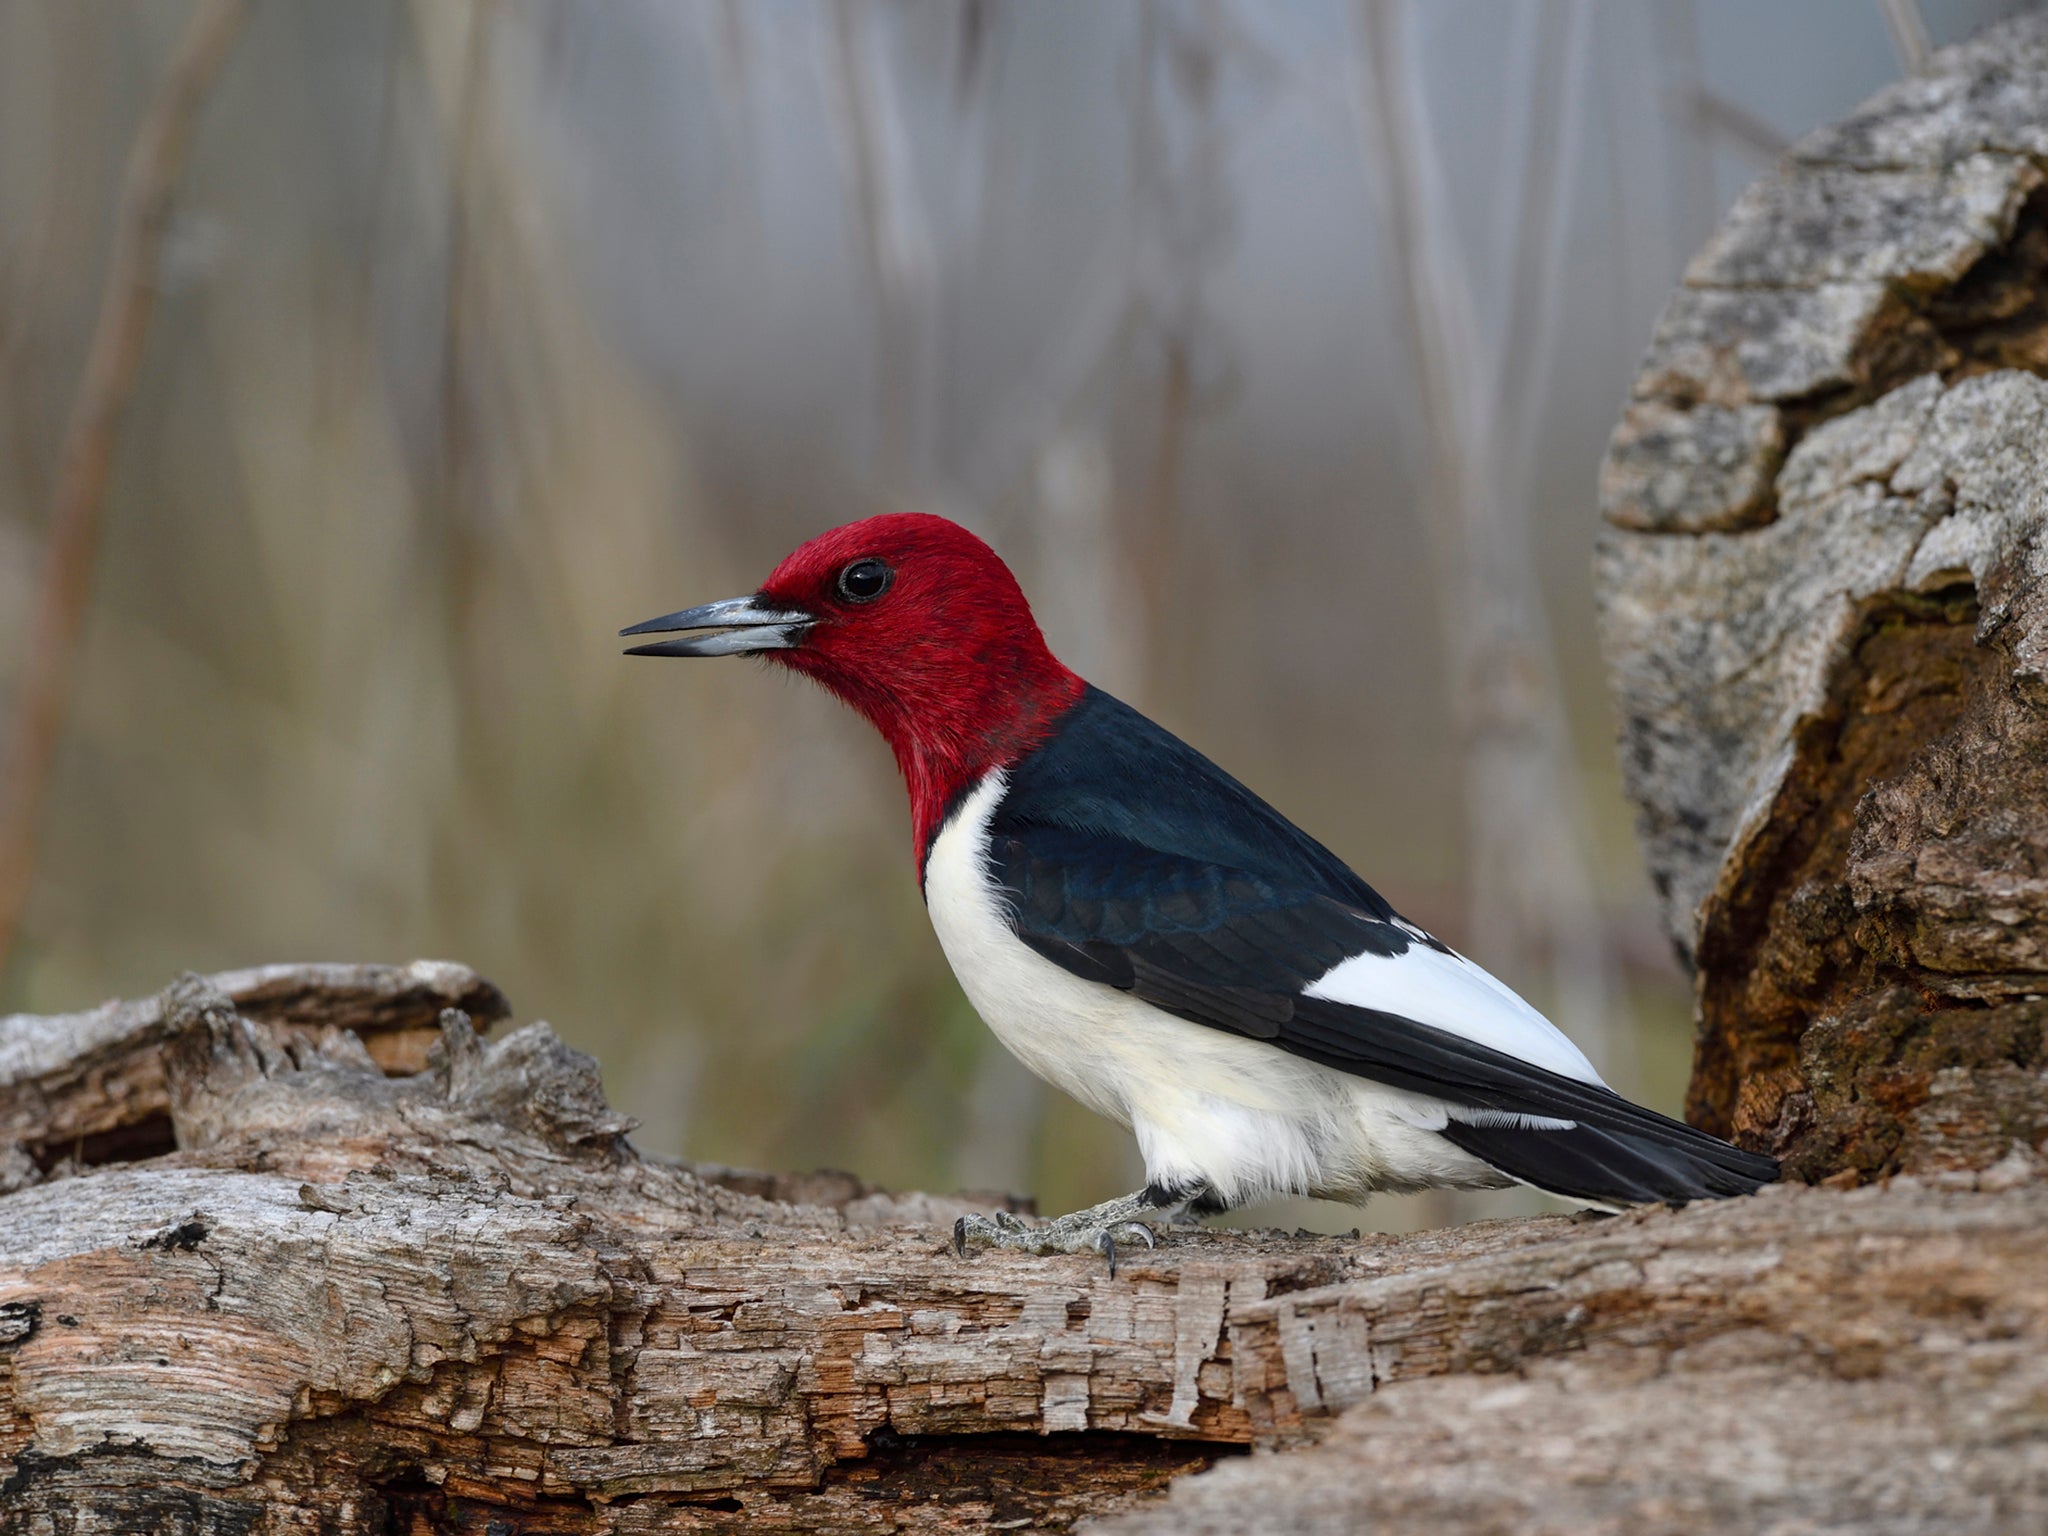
(1098, 1229)
(1188, 1206)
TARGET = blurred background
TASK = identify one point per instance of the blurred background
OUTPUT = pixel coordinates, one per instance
(364, 367)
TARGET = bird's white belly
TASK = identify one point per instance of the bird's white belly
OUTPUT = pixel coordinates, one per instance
(1207, 1106)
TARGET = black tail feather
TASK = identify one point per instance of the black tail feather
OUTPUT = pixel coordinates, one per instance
(1617, 1167)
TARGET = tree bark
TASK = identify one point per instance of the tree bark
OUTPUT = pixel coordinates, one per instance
(456, 1299)
(1823, 602)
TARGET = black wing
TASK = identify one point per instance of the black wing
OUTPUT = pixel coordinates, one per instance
(1108, 769)
(1233, 950)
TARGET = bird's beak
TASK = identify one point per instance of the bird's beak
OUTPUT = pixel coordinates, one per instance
(744, 624)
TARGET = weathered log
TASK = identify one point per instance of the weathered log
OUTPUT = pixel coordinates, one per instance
(85, 1088)
(1823, 601)
(458, 1300)
(1844, 1378)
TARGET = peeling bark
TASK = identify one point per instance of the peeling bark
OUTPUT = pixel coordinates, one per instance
(1828, 629)
(80, 1089)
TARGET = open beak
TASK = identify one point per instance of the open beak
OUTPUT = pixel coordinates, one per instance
(744, 624)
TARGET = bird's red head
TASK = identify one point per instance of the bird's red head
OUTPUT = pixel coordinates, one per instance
(917, 624)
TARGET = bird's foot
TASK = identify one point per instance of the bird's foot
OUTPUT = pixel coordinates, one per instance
(1099, 1229)
(972, 1233)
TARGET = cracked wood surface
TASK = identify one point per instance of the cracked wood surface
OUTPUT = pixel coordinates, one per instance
(1824, 602)
(89, 1087)
(1863, 1362)
(458, 1300)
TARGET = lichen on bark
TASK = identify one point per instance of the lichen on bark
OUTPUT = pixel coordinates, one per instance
(1833, 697)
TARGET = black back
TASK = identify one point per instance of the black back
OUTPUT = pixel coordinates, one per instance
(1111, 770)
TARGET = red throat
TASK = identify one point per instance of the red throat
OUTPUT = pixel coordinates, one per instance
(948, 664)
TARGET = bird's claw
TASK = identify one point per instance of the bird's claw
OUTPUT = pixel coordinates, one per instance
(1106, 1240)
(998, 1230)
(1003, 1229)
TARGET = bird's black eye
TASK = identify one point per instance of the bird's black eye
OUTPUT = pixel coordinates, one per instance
(865, 580)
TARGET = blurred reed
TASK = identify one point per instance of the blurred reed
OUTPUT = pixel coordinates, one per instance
(482, 327)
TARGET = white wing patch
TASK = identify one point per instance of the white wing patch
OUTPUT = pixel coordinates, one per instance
(1450, 993)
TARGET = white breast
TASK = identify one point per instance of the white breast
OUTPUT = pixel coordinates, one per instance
(1058, 1025)
(1206, 1105)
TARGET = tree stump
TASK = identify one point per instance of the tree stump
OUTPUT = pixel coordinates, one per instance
(1823, 603)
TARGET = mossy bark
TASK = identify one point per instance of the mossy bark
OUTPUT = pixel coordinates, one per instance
(1823, 603)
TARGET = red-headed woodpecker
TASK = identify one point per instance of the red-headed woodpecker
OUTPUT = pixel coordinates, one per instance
(1146, 933)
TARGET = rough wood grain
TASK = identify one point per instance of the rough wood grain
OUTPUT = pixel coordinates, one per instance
(1814, 1362)
(1823, 604)
(458, 1300)
(79, 1089)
